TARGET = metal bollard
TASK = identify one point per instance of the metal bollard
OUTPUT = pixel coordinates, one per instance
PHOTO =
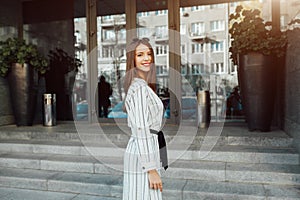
(49, 110)
(203, 117)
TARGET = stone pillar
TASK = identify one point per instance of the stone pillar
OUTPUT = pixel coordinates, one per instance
(292, 90)
(92, 93)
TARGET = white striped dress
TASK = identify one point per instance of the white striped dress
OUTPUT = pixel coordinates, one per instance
(145, 111)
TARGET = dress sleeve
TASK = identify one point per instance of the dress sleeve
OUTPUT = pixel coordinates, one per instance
(145, 140)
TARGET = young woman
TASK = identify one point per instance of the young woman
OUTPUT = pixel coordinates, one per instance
(142, 165)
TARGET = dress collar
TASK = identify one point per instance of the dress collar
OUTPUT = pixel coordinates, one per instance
(139, 80)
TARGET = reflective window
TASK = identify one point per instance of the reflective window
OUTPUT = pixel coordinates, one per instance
(197, 48)
(161, 12)
(195, 8)
(161, 31)
(161, 50)
(217, 25)
(217, 46)
(198, 28)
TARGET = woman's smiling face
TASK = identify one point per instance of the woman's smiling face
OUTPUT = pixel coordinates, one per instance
(143, 59)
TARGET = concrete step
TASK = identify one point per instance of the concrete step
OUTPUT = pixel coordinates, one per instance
(241, 154)
(120, 135)
(25, 194)
(111, 186)
(83, 183)
(179, 169)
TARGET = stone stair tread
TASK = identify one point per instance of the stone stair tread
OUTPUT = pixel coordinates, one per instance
(226, 132)
(46, 175)
(179, 164)
(43, 142)
(250, 190)
(171, 146)
(54, 157)
(243, 148)
(112, 127)
(235, 153)
(189, 188)
(70, 131)
(119, 135)
(26, 194)
(267, 168)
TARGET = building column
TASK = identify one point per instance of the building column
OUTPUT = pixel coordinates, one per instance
(92, 64)
(130, 11)
(278, 115)
(20, 20)
(276, 14)
(174, 60)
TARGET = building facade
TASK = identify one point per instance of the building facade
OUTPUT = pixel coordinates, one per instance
(203, 49)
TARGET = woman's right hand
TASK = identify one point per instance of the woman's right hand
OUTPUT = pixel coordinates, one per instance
(154, 180)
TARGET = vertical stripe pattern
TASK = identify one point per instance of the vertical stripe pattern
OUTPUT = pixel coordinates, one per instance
(145, 111)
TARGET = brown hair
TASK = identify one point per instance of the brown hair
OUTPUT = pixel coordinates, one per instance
(131, 67)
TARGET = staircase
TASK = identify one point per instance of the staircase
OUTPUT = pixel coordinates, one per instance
(56, 163)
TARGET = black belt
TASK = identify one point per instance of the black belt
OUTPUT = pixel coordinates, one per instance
(162, 148)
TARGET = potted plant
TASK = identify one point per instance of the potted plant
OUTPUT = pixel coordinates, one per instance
(60, 80)
(255, 48)
(21, 63)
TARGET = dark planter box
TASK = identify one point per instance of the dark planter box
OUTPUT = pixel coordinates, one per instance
(257, 77)
(23, 82)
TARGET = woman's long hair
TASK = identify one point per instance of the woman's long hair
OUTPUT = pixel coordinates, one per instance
(131, 66)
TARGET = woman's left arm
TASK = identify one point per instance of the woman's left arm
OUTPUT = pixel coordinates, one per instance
(145, 140)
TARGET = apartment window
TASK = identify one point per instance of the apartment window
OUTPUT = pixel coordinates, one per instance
(162, 70)
(194, 8)
(216, 6)
(217, 68)
(161, 12)
(198, 28)
(161, 31)
(107, 51)
(182, 48)
(217, 47)
(197, 69)
(107, 17)
(143, 32)
(77, 37)
(218, 25)
(143, 14)
(161, 50)
(197, 48)
(182, 10)
(109, 35)
(122, 34)
(183, 70)
(121, 51)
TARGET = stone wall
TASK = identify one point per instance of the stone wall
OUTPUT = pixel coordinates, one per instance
(6, 115)
(292, 95)
(9, 20)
